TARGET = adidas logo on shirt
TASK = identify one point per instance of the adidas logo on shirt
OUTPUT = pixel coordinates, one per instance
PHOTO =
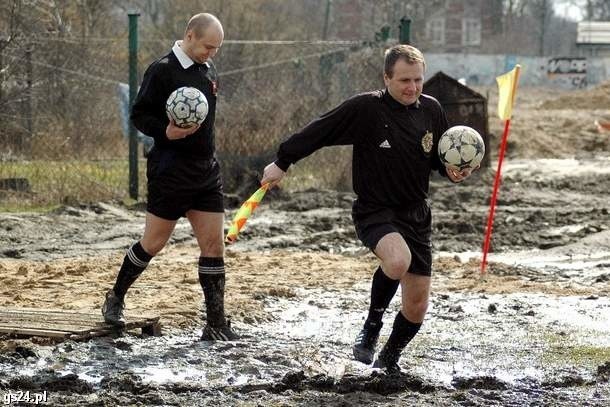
(385, 144)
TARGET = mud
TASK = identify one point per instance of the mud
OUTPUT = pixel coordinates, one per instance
(535, 330)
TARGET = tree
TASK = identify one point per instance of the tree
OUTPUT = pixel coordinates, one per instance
(597, 10)
(541, 13)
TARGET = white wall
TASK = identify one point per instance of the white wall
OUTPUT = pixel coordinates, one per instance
(480, 69)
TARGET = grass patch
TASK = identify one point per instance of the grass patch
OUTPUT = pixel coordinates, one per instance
(71, 182)
(586, 353)
(67, 182)
(563, 350)
(17, 207)
(329, 168)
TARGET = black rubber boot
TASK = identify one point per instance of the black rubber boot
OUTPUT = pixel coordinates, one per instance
(112, 310)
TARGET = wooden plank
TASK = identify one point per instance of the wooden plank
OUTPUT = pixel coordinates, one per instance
(59, 315)
(73, 327)
(42, 310)
(153, 329)
(45, 311)
(67, 324)
(51, 321)
(49, 318)
(35, 332)
(51, 327)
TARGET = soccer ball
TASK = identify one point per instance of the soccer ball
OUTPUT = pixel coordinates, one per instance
(187, 106)
(461, 147)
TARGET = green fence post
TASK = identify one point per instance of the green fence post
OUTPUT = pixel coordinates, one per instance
(405, 30)
(326, 21)
(133, 90)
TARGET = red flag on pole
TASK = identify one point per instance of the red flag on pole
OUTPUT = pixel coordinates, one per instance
(507, 89)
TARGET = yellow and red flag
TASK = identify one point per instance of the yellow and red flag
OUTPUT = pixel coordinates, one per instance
(507, 89)
(244, 212)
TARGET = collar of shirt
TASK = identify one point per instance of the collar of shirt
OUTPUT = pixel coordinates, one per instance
(394, 104)
(184, 59)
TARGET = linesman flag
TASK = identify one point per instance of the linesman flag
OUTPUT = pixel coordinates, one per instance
(507, 89)
(244, 212)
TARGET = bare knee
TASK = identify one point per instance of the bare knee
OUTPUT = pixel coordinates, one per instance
(415, 309)
(213, 248)
(153, 246)
(396, 267)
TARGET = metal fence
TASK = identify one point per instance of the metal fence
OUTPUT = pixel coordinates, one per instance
(62, 128)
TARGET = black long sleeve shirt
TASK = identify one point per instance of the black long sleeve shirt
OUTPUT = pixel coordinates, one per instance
(394, 146)
(148, 113)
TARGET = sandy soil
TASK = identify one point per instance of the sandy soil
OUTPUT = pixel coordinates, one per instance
(533, 331)
(170, 287)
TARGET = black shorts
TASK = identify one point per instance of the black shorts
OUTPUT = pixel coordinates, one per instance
(413, 224)
(178, 183)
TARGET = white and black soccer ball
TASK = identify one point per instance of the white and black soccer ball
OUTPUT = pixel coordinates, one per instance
(461, 147)
(187, 106)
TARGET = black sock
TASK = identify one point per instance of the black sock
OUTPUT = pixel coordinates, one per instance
(134, 263)
(403, 331)
(382, 292)
(212, 280)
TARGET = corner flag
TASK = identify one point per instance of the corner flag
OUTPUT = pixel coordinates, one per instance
(507, 89)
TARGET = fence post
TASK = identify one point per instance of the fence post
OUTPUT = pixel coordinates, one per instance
(133, 87)
(405, 30)
(28, 106)
(326, 21)
(3, 44)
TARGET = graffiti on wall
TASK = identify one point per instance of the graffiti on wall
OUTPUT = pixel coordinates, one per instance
(568, 72)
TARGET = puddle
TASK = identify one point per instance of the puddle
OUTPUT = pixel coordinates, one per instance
(528, 338)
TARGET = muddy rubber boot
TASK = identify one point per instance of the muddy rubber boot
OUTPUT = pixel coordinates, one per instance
(112, 310)
(388, 359)
(212, 280)
(219, 333)
(366, 341)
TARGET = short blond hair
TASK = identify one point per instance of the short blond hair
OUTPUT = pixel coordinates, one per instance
(407, 53)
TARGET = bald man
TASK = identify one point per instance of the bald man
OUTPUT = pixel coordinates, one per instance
(183, 174)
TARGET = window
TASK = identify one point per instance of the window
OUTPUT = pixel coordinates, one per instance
(471, 31)
(436, 31)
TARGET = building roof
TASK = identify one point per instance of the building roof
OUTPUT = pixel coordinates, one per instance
(593, 32)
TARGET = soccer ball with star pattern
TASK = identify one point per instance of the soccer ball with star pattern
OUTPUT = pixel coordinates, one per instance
(187, 106)
(461, 147)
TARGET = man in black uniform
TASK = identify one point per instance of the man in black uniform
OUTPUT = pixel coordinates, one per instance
(183, 174)
(394, 133)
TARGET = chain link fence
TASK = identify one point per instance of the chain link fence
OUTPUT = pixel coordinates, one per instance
(63, 132)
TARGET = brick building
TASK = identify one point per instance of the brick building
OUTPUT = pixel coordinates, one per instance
(439, 26)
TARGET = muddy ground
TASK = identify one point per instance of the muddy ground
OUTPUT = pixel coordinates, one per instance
(534, 331)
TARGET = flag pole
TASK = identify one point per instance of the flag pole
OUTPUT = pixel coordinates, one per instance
(498, 178)
(494, 196)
